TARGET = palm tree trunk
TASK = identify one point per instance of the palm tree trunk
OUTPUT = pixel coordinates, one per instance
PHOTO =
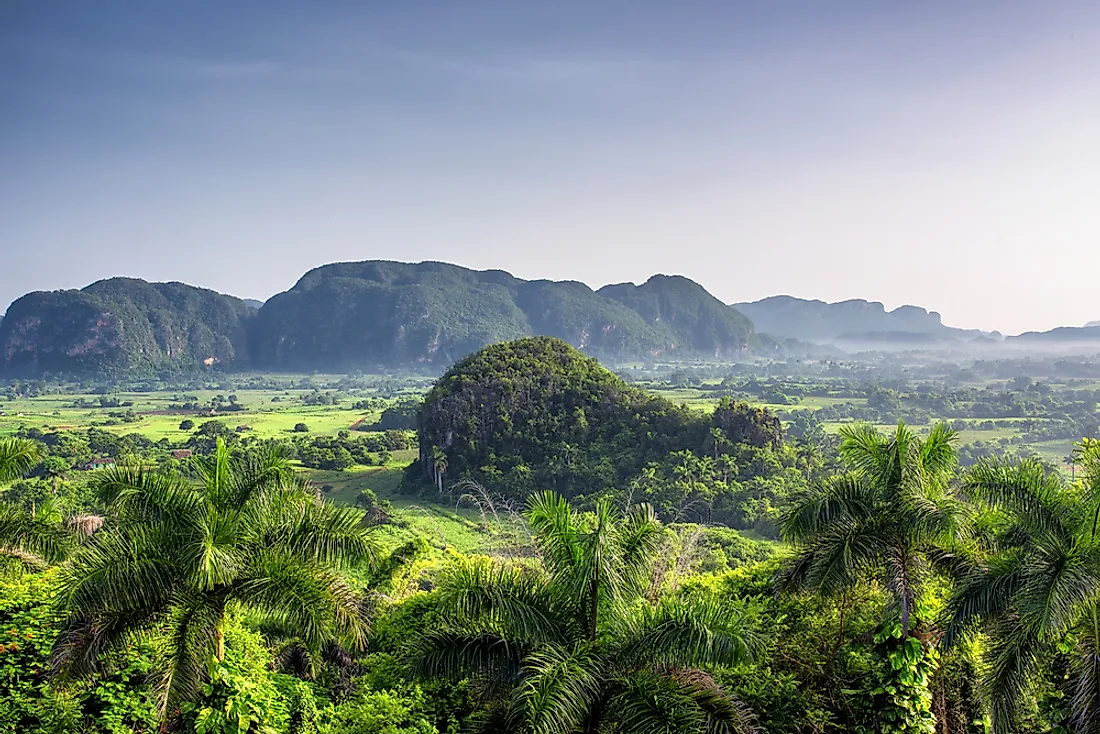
(594, 589)
(903, 590)
(904, 616)
(219, 654)
(840, 627)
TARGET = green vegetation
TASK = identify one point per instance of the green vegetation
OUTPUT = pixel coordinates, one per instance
(680, 548)
(572, 649)
(1033, 586)
(537, 413)
(250, 540)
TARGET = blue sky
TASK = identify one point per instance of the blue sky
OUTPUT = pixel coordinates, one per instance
(936, 153)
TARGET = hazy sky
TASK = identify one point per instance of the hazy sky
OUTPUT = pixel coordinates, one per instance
(945, 154)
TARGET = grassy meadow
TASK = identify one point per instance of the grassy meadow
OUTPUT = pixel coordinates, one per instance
(267, 413)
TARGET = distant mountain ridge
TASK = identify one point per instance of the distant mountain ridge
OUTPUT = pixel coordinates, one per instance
(1062, 336)
(853, 322)
(391, 313)
(381, 313)
(361, 314)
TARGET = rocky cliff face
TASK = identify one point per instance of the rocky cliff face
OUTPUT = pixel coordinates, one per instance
(122, 324)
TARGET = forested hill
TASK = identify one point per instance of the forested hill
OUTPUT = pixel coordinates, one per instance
(392, 313)
(362, 315)
(123, 324)
(535, 413)
(854, 322)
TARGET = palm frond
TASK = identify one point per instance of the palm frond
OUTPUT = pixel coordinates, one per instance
(559, 690)
(846, 552)
(690, 632)
(17, 457)
(512, 600)
(597, 583)
(679, 702)
(987, 590)
(554, 526)
(84, 642)
(328, 535)
(138, 496)
(1085, 701)
(863, 449)
(261, 470)
(298, 595)
(1062, 583)
(725, 713)
(456, 654)
(1014, 658)
(1036, 498)
(639, 537)
(188, 647)
(208, 554)
(121, 570)
(40, 534)
(794, 571)
(938, 450)
(841, 498)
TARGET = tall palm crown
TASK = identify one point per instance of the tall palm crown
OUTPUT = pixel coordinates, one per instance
(1035, 584)
(574, 647)
(35, 537)
(890, 517)
(177, 558)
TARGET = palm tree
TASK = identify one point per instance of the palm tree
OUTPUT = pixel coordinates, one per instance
(179, 558)
(54, 468)
(1036, 586)
(35, 537)
(573, 646)
(890, 517)
(439, 465)
(717, 439)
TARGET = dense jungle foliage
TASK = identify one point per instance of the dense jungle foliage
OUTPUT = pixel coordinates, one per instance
(721, 577)
(534, 413)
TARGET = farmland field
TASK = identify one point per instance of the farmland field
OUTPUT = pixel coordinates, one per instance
(271, 406)
(266, 413)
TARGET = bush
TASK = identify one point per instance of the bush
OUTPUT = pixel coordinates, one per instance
(187, 425)
(301, 428)
(119, 700)
(381, 712)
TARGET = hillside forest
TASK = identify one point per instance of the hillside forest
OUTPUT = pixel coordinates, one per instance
(380, 315)
(533, 543)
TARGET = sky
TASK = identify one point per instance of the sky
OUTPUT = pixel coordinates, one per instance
(936, 153)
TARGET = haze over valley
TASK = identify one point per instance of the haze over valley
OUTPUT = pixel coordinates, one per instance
(495, 367)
